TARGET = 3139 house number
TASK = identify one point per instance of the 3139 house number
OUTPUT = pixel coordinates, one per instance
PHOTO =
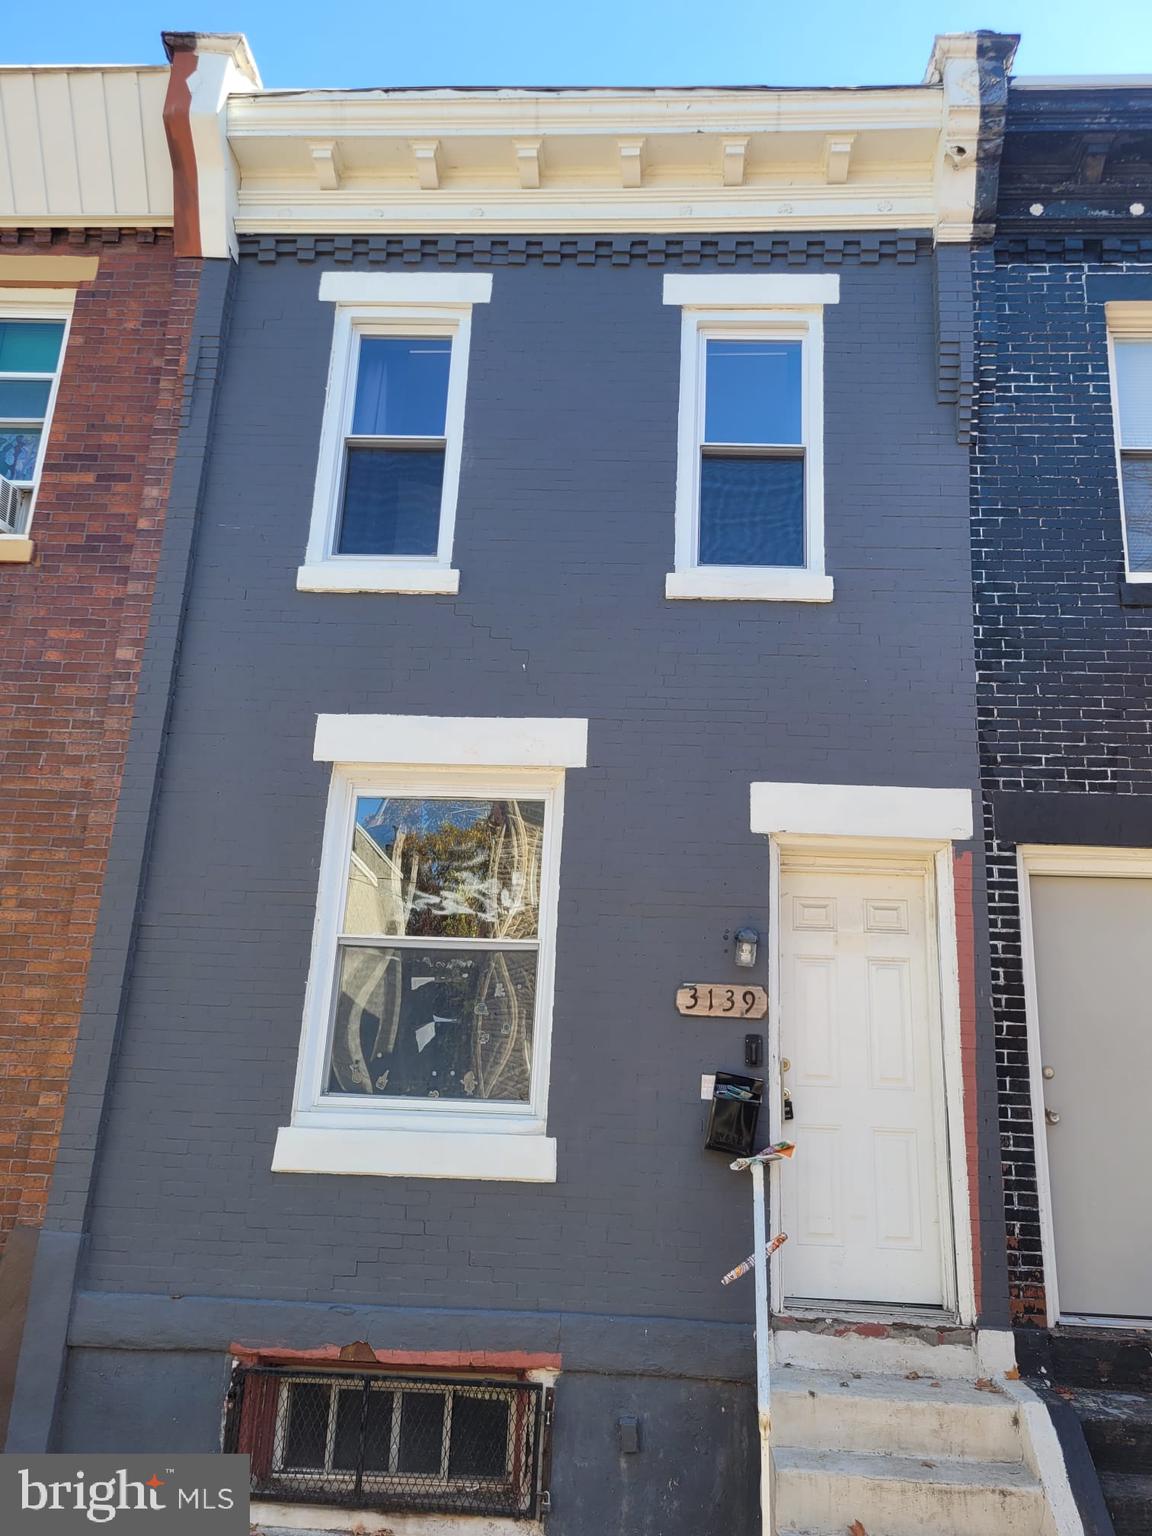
(711, 1000)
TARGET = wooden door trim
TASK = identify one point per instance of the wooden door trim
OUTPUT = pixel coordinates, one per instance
(932, 860)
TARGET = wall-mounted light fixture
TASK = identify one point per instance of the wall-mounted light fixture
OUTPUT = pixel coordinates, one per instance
(747, 942)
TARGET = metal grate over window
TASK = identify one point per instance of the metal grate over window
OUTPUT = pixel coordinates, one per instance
(392, 1442)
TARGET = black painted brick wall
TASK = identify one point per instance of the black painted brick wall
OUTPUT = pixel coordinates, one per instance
(1064, 671)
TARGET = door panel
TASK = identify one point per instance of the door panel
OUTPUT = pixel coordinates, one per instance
(1092, 943)
(859, 1028)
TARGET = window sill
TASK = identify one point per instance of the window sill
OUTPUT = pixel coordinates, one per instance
(749, 584)
(1136, 591)
(424, 1154)
(15, 549)
(376, 576)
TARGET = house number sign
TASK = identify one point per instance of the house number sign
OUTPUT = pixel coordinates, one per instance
(717, 1000)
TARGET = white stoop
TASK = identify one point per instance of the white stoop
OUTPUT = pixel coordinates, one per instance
(910, 1451)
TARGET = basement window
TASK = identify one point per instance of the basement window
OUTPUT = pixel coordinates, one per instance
(372, 1441)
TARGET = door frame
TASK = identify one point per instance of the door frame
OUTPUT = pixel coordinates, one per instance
(932, 859)
(1069, 861)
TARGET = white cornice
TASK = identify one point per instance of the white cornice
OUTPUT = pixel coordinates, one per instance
(446, 113)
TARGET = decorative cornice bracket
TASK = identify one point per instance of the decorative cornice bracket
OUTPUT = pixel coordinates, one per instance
(631, 153)
(837, 157)
(426, 153)
(527, 152)
(326, 163)
(733, 155)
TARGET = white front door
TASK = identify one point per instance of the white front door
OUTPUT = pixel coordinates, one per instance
(860, 1034)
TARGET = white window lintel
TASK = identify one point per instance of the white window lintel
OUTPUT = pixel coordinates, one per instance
(451, 741)
(751, 290)
(862, 810)
(420, 288)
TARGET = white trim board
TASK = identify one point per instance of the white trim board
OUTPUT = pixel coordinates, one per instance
(861, 810)
(429, 1154)
(406, 287)
(457, 741)
(751, 290)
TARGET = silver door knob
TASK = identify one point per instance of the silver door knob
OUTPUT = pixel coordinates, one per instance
(1052, 1117)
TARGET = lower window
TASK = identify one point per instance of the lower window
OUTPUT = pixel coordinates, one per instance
(391, 1442)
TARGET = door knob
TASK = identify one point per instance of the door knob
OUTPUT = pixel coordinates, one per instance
(1052, 1117)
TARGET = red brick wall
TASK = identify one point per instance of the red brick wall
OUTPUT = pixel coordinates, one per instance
(72, 627)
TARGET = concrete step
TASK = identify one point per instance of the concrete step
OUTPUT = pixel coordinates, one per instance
(941, 1353)
(1128, 1496)
(825, 1491)
(925, 1416)
(1117, 1427)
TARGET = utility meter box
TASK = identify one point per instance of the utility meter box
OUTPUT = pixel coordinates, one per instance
(733, 1113)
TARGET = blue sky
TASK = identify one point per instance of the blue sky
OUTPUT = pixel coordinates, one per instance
(610, 42)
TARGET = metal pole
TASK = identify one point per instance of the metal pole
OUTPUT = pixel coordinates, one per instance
(763, 1340)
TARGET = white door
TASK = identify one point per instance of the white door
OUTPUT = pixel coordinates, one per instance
(1092, 945)
(860, 1033)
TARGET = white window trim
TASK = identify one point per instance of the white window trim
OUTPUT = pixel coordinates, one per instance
(783, 307)
(862, 810)
(382, 304)
(1131, 321)
(428, 1139)
(36, 304)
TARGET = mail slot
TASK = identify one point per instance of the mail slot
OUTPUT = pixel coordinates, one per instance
(733, 1113)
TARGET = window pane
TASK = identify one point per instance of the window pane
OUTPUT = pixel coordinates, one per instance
(30, 346)
(346, 1441)
(377, 1430)
(751, 510)
(24, 399)
(1138, 512)
(445, 869)
(479, 1436)
(428, 1023)
(391, 502)
(752, 392)
(421, 1432)
(18, 452)
(306, 1435)
(1134, 388)
(402, 386)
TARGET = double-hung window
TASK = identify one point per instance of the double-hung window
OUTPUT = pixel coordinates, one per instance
(750, 470)
(1132, 408)
(384, 508)
(427, 1022)
(31, 347)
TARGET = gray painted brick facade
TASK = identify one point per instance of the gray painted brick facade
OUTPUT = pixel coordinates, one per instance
(564, 535)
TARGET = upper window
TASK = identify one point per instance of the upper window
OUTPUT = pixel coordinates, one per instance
(30, 351)
(1132, 357)
(750, 483)
(384, 509)
(430, 996)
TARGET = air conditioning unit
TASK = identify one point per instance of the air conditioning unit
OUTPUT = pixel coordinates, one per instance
(13, 506)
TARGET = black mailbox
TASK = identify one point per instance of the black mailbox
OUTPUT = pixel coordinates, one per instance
(733, 1114)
